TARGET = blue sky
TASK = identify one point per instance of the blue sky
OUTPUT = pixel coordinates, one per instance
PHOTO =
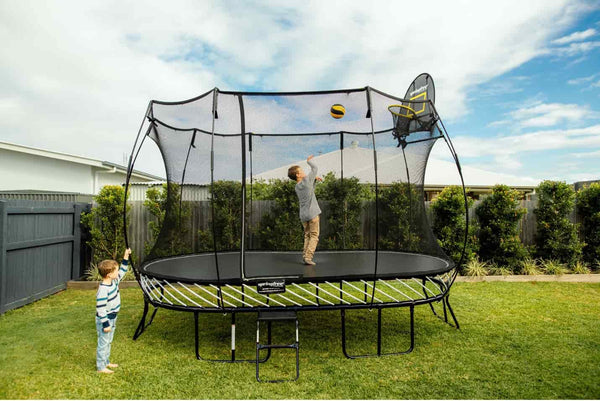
(518, 83)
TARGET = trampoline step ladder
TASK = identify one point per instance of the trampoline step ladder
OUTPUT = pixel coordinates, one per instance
(276, 316)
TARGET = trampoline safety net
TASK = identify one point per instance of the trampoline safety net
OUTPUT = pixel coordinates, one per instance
(226, 156)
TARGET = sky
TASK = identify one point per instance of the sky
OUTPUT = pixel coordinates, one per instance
(517, 82)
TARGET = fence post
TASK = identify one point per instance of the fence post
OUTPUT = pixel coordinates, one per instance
(3, 241)
(76, 257)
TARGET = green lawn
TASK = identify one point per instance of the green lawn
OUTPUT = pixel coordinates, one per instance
(517, 340)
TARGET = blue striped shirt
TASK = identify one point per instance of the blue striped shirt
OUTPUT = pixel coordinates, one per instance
(108, 299)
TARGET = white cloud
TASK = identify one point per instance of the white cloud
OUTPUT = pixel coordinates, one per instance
(538, 114)
(575, 37)
(537, 141)
(582, 80)
(76, 76)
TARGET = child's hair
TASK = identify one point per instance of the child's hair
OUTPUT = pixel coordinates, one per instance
(106, 267)
(293, 172)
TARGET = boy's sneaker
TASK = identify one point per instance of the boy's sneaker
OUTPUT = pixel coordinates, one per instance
(112, 365)
(309, 262)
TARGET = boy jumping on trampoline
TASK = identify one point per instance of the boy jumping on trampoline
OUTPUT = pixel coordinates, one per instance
(309, 207)
(108, 303)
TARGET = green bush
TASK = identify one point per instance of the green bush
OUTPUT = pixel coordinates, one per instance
(588, 209)
(169, 231)
(105, 224)
(280, 228)
(346, 199)
(227, 204)
(556, 237)
(449, 222)
(400, 229)
(499, 215)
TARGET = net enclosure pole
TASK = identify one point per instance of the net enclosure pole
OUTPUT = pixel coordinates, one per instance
(132, 160)
(370, 116)
(243, 225)
(212, 196)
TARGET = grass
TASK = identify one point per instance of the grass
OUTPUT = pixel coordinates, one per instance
(517, 341)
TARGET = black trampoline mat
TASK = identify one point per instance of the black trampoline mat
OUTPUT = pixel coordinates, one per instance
(330, 265)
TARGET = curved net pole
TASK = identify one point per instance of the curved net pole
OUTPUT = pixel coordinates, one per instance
(212, 197)
(344, 202)
(370, 114)
(410, 201)
(243, 228)
(444, 133)
(130, 165)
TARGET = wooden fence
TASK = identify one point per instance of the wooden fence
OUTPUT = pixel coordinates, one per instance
(40, 249)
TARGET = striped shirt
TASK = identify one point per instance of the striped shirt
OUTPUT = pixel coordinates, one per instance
(108, 299)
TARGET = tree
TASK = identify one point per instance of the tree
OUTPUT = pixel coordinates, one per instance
(171, 228)
(556, 237)
(449, 224)
(499, 215)
(345, 199)
(588, 208)
(105, 224)
(400, 211)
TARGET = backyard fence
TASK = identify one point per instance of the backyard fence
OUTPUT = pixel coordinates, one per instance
(40, 249)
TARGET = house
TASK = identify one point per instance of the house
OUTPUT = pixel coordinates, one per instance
(40, 172)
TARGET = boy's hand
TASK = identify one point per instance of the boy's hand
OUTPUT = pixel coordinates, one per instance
(106, 329)
(319, 179)
(127, 253)
(309, 157)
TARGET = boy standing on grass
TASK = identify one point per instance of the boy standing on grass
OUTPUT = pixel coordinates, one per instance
(309, 207)
(108, 303)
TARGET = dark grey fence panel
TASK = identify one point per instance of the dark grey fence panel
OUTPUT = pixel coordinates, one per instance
(39, 251)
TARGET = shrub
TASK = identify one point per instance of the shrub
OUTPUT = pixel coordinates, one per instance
(105, 224)
(169, 231)
(280, 228)
(499, 215)
(556, 237)
(475, 268)
(92, 274)
(227, 204)
(588, 208)
(449, 224)
(581, 268)
(530, 267)
(400, 204)
(554, 267)
(496, 270)
(346, 199)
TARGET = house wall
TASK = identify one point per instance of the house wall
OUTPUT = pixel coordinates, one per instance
(24, 171)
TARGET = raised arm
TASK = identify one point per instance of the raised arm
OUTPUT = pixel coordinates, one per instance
(313, 168)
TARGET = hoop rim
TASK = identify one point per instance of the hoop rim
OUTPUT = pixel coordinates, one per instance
(410, 116)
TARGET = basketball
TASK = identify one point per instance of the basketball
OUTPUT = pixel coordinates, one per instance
(337, 111)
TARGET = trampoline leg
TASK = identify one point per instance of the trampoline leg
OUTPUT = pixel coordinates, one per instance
(143, 325)
(232, 359)
(379, 341)
(452, 312)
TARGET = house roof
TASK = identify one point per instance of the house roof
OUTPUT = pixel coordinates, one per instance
(77, 159)
(358, 162)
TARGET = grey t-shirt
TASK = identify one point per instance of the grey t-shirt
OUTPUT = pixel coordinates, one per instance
(305, 189)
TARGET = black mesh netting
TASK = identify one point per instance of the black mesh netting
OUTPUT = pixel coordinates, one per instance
(226, 157)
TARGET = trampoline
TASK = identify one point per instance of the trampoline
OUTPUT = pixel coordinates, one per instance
(226, 234)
